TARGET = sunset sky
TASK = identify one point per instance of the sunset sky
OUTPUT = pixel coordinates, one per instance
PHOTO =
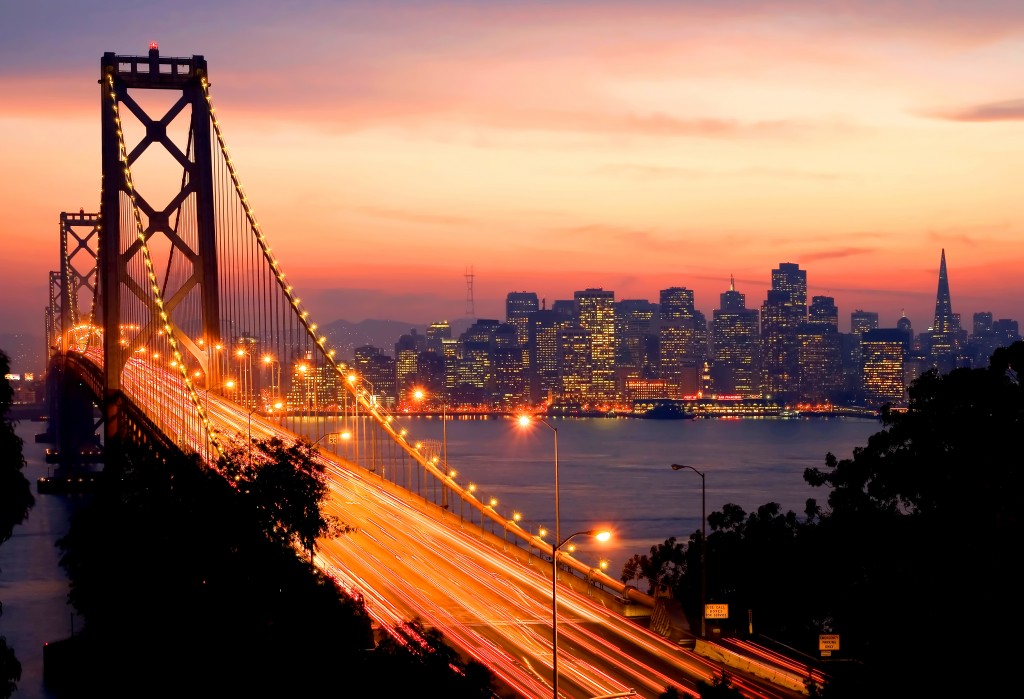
(555, 146)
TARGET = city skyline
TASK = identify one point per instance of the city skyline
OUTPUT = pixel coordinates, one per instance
(392, 149)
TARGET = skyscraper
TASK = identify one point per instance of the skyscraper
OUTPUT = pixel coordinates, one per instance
(518, 307)
(544, 329)
(736, 339)
(943, 344)
(782, 313)
(679, 359)
(884, 350)
(595, 310)
(819, 353)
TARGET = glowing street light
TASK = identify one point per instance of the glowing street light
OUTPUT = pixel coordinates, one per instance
(600, 535)
(524, 421)
(703, 547)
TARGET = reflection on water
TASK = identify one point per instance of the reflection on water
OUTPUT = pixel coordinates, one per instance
(617, 471)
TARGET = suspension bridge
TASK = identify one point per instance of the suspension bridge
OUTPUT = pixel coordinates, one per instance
(172, 319)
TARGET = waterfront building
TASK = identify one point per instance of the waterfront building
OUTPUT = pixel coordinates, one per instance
(575, 365)
(510, 384)
(679, 358)
(407, 350)
(819, 353)
(542, 348)
(736, 345)
(635, 331)
(782, 313)
(476, 363)
(595, 309)
(884, 350)
(819, 362)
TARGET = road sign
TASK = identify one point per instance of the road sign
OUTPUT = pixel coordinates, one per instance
(828, 641)
(716, 611)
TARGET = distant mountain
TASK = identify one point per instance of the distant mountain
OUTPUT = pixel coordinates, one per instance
(27, 352)
(383, 334)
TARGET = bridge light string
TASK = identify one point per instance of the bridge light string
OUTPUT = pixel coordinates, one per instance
(319, 340)
(157, 299)
(362, 398)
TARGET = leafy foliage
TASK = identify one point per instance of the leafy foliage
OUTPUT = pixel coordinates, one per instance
(416, 658)
(16, 497)
(16, 500)
(228, 604)
(912, 561)
(238, 614)
(284, 484)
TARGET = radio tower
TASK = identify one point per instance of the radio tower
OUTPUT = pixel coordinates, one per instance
(470, 310)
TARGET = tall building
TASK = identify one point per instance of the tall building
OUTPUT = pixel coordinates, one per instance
(884, 350)
(819, 352)
(679, 358)
(823, 312)
(595, 311)
(790, 278)
(782, 314)
(943, 338)
(510, 380)
(437, 333)
(542, 346)
(575, 364)
(860, 323)
(736, 346)
(634, 328)
(476, 361)
(407, 349)
(518, 307)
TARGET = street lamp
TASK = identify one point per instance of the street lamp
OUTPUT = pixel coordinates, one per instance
(703, 548)
(275, 385)
(600, 535)
(243, 357)
(524, 421)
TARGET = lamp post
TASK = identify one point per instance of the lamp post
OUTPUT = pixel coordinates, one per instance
(703, 548)
(419, 395)
(246, 372)
(600, 535)
(275, 385)
(525, 420)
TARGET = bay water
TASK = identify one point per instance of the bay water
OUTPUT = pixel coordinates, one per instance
(613, 472)
(617, 471)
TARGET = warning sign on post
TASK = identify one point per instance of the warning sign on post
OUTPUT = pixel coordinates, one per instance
(828, 642)
(716, 611)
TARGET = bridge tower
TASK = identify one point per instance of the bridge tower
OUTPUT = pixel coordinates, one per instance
(70, 317)
(134, 216)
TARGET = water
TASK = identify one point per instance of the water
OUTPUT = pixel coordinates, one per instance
(617, 471)
(611, 471)
(33, 586)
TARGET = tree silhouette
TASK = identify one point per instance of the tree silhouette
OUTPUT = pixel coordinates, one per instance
(16, 500)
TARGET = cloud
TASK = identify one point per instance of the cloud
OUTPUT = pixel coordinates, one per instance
(1007, 110)
(839, 253)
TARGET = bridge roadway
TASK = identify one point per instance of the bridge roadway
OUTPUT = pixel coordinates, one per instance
(409, 559)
